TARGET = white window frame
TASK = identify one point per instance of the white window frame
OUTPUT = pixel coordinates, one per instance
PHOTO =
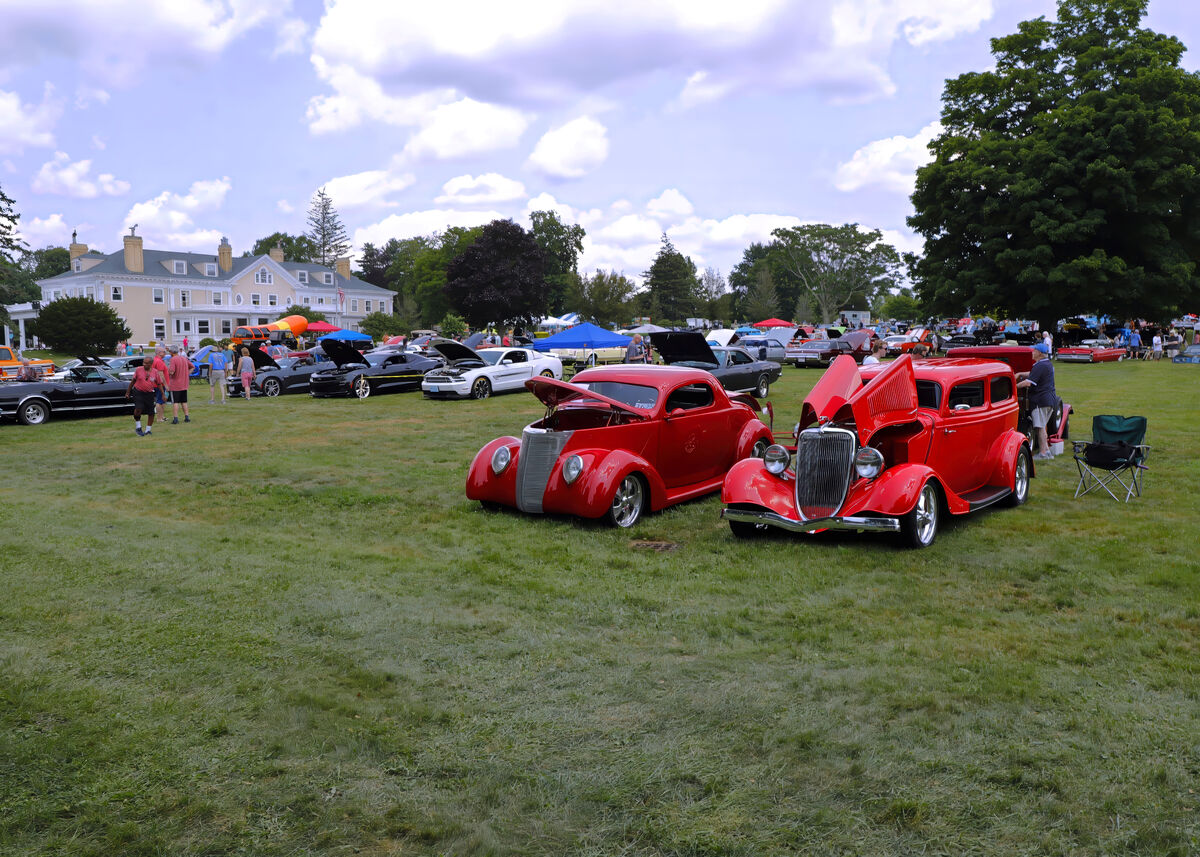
(78, 265)
(160, 329)
(354, 305)
(216, 298)
(185, 298)
(178, 266)
(89, 292)
(237, 299)
(263, 277)
(255, 299)
(210, 269)
(158, 295)
(328, 278)
(116, 294)
(226, 327)
(302, 276)
(320, 300)
(367, 307)
(307, 300)
(203, 327)
(183, 326)
(272, 300)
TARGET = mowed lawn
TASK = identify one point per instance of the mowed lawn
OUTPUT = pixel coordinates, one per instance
(282, 629)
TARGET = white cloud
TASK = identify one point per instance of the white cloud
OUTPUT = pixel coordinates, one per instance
(890, 163)
(670, 203)
(415, 223)
(85, 96)
(358, 98)
(98, 142)
(366, 188)
(630, 230)
(166, 220)
(64, 178)
(903, 240)
(114, 40)
(466, 127)
(482, 189)
(919, 22)
(571, 150)
(284, 206)
(290, 37)
(45, 232)
(24, 125)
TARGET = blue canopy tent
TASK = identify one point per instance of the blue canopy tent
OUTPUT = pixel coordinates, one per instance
(346, 336)
(584, 335)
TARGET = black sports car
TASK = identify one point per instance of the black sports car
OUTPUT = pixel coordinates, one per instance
(360, 375)
(734, 368)
(86, 390)
(273, 377)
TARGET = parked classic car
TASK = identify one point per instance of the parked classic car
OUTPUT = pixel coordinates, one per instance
(916, 440)
(1191, 354)
(618, 440)
(1091, 351)
(275, 376)
(735, 368)
(363, 375)
(764, 348)
(86, 390)
(822, 352)
(477, 374)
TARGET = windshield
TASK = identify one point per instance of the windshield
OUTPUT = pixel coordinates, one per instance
(491, 357)
(634, 395)
(373, 359)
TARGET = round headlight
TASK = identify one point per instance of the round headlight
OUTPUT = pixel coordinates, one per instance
(868, 461)
(776, 459)
(500, 459)
(572, 467)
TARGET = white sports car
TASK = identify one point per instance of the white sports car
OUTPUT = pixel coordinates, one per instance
(477, 374)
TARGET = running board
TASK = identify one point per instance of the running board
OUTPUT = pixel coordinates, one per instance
(983, 497)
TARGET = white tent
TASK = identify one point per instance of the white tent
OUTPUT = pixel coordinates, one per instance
(721, 336)
(647, 328)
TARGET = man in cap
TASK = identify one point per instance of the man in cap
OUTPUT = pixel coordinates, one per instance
(1042, 397)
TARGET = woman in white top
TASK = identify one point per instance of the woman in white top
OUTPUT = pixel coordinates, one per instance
(877, 351)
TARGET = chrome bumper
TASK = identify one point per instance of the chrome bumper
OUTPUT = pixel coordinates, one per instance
(773, 519)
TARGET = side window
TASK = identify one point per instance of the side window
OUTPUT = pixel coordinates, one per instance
(966, 395)
(737, 357)
(1002, 388)
(689, 397)
(929, 395)
(516, 356)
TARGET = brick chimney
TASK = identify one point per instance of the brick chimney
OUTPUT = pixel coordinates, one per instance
(276, 252)
(134, 262)
(76, 248)
(342, 266)
(225, 256)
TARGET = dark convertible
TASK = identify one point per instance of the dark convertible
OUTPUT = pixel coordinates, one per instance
(85, 390)
(735, 369)
(361, 375)
(274, 377)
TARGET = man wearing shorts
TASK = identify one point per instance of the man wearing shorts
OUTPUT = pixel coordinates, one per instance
(179, 372)
(216, 375)
(1042, 397)
(160, 395)
(145, 383)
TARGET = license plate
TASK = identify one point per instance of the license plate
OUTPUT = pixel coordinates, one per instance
(433, 388)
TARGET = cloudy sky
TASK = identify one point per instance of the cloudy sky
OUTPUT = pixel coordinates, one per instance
(711, 120)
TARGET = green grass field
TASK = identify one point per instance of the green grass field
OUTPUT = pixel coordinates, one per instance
(283, 630)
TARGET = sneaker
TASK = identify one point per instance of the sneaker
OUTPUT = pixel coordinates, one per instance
(187, 419)
(138, 432)
(211, 402)
(175, 421)
(146, 433)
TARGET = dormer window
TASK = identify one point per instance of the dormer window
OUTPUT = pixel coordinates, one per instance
(262, 277)
(329, 279)
(210, 269)
(302, 276)
(180, 266)
(78, 265)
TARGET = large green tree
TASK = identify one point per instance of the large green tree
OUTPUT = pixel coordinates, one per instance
(1066, 179)
(762, 302)
(373, 262)
(671, 282)
(325, 230)
(296, 248)
(756, 258)
(80, 326)
(603, 297)
(306, 311)
(561, 245)
(500, 278)
(837, 266)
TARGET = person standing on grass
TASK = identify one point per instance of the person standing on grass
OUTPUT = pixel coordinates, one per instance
(142, 387)
(878, 350)
(246, 370)
(1042, 397)
(633, 351)
(1156, 347)
(216, 375)
(160, 395)
(179, 372)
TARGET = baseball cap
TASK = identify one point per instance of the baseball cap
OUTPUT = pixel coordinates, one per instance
(1042, 347)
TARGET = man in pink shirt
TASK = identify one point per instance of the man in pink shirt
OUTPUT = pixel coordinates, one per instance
(160, 366)
(179, 372)
(145, 383)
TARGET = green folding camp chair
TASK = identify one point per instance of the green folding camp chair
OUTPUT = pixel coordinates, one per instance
(1115, 456)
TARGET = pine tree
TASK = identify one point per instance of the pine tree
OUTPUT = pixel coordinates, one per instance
(11, 246)
(325, 231)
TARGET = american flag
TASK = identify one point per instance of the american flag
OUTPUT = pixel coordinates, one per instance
(341, 295)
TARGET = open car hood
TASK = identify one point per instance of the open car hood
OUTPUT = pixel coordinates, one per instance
(454, 351)
(858, 339)
(889, 399)
(552, 393)
(262, 360)
(677, 346)
(340, 352)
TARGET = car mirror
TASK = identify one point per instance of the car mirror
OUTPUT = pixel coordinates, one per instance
(505, 362)
(962, 406)
(676, 412)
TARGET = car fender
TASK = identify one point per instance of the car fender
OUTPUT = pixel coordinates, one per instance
(1004, 455)
(592, 493)
(753, 431)
(894, 492)
(748, 482)
(39, 397)
(483, 484)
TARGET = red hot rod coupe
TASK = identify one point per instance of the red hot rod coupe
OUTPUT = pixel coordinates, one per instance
(889, 448)
(617, 440)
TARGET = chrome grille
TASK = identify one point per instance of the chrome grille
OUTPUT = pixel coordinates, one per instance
(824, 460)
(540, 450)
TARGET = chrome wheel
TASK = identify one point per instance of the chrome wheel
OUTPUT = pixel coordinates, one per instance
(546, 373)
(1020, 490)
(920, 526)
(481, 389)
(33, 413)
(271, 387)
(763, 386)
(627, 502)
(362, 387)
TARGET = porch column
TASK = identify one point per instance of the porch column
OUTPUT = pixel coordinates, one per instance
(21, 338)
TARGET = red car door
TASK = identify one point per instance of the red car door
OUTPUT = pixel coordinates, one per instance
(693, 446)
(963, 436)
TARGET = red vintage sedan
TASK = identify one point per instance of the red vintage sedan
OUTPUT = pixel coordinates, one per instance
(617, 440)
(890, 448)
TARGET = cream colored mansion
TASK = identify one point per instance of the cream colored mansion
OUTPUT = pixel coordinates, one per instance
(164, 295)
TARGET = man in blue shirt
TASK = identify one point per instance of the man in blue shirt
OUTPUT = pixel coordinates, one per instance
(216, 375)
(1042, 397)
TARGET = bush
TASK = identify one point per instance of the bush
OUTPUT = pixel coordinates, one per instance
(80, 326)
